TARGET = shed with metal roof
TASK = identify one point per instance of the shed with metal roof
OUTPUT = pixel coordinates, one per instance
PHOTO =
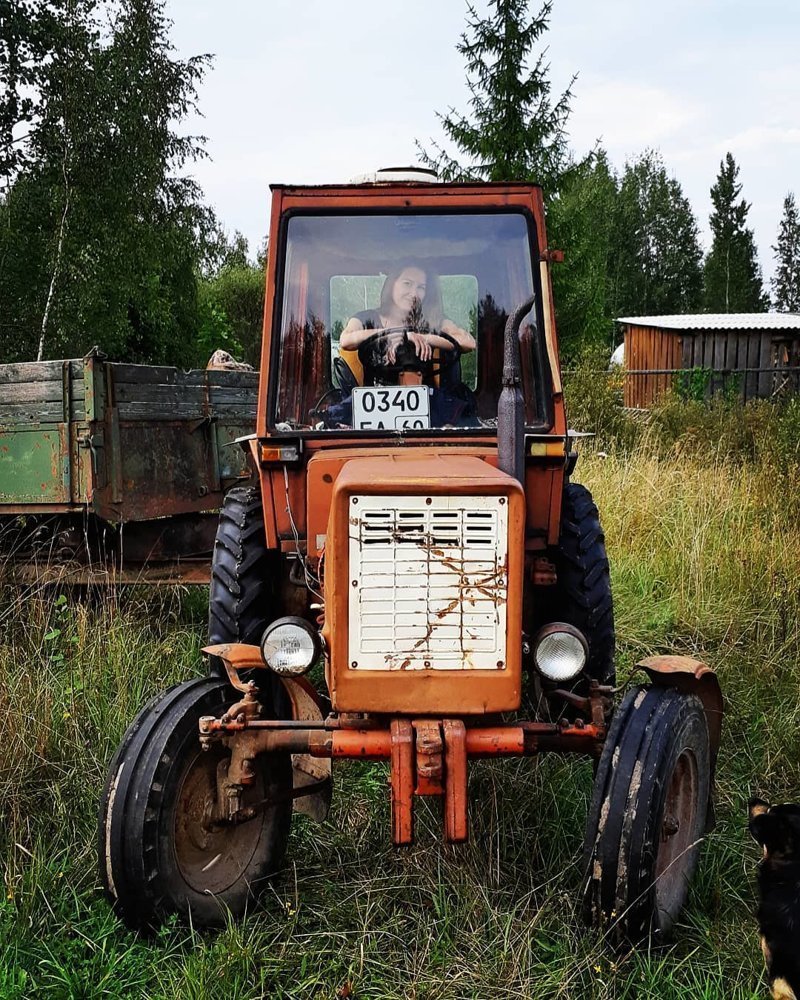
(752, 354)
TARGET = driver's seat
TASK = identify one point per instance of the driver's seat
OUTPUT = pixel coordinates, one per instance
(348, 370)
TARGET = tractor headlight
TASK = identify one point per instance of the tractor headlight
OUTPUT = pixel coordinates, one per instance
(290, 646)
(560, 651)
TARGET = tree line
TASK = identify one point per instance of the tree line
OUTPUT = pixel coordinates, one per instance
(105, 238)
(631, 239)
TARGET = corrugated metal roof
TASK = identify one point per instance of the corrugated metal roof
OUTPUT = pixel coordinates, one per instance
(719, 321)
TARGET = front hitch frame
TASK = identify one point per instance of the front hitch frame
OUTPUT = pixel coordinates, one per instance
(427, 756)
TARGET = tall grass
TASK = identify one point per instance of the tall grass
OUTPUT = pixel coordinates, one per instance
(704, 552)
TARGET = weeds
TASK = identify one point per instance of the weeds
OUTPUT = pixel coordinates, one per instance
(704, 561)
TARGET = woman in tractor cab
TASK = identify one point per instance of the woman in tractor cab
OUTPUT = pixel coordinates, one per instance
(403, 332)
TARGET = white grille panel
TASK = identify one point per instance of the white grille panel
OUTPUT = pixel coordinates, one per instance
(428, 582)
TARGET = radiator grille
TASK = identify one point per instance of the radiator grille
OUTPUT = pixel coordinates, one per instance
(428, 582)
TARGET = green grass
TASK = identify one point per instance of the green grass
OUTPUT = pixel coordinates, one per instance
(705, 559)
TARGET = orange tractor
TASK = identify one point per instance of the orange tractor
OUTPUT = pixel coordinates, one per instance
(411, 566)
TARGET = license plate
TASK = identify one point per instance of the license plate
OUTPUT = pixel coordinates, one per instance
(393, 408)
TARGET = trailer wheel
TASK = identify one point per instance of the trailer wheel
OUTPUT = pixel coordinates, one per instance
(161, 851)
(647, 815)
(582, 595)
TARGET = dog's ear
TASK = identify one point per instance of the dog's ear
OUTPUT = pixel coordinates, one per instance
(787, 832)
(760, 824)
(778, 832)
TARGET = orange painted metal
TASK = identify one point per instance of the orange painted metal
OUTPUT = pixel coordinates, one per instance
(540, 478)
(402, 776)
(523, 739)
(544, 478)
(497, 741)
(695, 677)
(324, 468)
(530, 738)
(240, 655)
(456, 828)
(543, 572)
(553, 507)
(467, 691)
(429, 757)
(270, 525)
(310, 492)
(375, 745)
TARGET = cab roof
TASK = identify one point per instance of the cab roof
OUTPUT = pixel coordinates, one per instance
(391, 187)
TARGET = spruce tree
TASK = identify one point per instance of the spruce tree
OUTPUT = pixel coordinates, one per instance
(580, 220)
(513, 131)
(786, 282)
(732, 275)
(655, 256)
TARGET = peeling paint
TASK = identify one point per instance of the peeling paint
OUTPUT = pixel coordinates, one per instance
(621, 894)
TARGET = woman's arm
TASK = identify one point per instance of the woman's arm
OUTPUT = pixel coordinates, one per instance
(353, 335)
(464, 340)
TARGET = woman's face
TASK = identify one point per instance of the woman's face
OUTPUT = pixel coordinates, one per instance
(409, 288)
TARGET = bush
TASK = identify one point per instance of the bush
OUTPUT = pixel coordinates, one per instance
(593, 397)
(687, 421)
(760, 430)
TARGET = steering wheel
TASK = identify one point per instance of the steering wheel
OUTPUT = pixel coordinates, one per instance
(406, 358)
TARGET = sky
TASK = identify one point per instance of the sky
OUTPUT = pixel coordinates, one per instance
(319, 91)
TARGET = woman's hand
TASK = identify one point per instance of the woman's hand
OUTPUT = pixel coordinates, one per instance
(421, 346)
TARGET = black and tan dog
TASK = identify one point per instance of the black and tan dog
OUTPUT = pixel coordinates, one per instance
(777, 829)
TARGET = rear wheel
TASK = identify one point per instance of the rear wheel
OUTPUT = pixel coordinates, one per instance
(162, 849)
(582, 595)
(241, 598)
(647, 815)
(242, 576)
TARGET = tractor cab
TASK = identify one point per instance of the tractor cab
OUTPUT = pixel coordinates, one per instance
(379, 288)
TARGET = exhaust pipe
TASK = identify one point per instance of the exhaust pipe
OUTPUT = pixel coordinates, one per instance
(511, 405)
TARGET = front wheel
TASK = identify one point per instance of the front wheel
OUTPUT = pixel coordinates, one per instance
(647, 815)
(161, 851)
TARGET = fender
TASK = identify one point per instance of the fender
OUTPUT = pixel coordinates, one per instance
(306, 705)
(693, 677)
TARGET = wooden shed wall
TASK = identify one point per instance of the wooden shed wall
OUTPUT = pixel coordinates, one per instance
(723, 351)
(649, 347)
(732, 350)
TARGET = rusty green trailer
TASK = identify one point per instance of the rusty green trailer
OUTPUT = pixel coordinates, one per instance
(113, 470)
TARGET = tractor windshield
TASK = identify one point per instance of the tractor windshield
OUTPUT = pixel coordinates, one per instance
(394, 322)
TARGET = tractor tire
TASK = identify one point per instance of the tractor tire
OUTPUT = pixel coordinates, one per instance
(159, 854)
(241, 589)
(582, 595)
(242, 592)
(647, 815)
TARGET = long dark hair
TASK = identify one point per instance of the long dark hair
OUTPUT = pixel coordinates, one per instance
(431, 306)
